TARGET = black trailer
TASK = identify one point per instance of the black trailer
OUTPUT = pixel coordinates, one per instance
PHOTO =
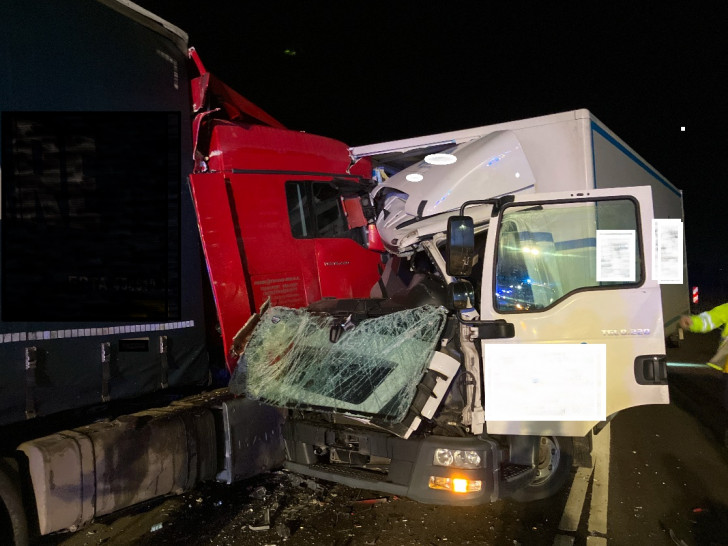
(102, 282)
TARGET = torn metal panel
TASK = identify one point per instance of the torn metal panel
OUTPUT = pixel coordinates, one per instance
(302, 360)
(252, 438)
(430, 395)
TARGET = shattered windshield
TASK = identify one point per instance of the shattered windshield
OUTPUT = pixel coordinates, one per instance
(304, 360)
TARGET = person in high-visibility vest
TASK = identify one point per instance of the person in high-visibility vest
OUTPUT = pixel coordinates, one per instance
(707, 322)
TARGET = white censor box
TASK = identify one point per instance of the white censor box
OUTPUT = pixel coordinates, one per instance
(545, 382)
(616, 252)
(667, 251)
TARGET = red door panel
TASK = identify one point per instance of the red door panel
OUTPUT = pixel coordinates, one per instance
(222, 253)
(345, 269)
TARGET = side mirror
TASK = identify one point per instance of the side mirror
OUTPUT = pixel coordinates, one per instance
(460, 295)
(460, 246)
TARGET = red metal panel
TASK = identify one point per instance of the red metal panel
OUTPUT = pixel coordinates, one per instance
(297, 268)
(255, 147)
(236, 106)
(282, 287)
(354, 215)
(272, 254)
(345, 269)
(220, 244)
(362, 167)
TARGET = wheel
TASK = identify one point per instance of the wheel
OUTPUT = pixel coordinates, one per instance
(13, 521)
(555, 457)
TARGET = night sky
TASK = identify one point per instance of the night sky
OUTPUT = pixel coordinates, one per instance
(366, 72)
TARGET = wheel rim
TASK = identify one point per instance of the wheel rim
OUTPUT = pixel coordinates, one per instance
(549, 455)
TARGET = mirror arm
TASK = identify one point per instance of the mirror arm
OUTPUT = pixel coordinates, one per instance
(434, 254)
(489, 329)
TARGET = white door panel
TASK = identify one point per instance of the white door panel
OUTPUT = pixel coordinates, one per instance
(544, 282)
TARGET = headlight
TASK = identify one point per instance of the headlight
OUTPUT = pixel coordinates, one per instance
(443, 457)
(457, 458)
(467, 459)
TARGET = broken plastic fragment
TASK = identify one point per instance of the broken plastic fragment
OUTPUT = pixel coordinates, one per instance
(259, 492)
(303, 360)
(264, 525)
(379, 500)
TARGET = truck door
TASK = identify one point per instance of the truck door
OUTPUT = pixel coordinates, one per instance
(285, 235)
(572, 272)
(329, 231)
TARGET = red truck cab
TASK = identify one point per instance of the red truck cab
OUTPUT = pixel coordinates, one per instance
(280, 211)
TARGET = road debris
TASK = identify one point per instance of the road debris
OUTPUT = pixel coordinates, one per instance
(282, 530)
(675, 539)
(259, 492)
(379, 500)
(264, 525)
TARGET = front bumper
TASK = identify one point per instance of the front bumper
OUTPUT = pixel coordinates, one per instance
(410, 468)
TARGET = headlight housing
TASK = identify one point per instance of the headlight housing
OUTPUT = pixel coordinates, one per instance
(457, 458)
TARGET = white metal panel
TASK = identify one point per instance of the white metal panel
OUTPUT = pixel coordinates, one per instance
(447, 367)
(457, 137)
(617, 165)
(588, 317)
(490, 166)
(545, 382)
(557, 148)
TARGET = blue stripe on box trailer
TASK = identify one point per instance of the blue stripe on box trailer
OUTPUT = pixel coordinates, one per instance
(12, 337)
(628, 153)
(547, 237)
(576, 243)
(536, 236)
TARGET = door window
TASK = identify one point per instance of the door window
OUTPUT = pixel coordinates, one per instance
(315, 211)
(547, 252)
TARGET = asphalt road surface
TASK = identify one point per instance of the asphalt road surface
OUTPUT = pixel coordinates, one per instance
(660, 477)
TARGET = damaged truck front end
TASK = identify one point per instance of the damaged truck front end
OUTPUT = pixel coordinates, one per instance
(385, 393)
(376, 396)
(480, 364)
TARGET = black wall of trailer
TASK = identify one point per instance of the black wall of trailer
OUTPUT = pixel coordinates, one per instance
(100, 265)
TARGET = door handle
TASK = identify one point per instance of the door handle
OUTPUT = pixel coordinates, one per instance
(650, 370)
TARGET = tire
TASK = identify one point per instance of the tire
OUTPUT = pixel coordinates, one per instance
(13, 521)
(555, 457)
